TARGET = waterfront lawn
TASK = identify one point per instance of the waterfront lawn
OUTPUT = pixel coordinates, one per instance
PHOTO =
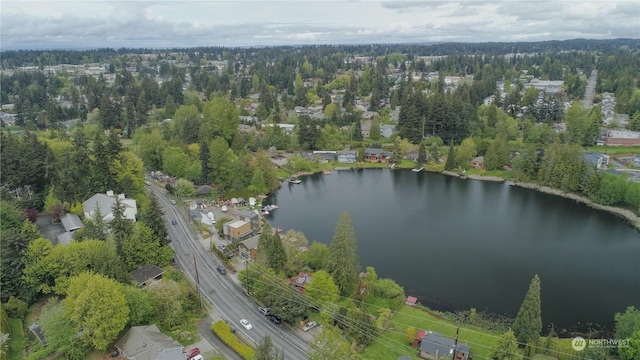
(505, 174)
(392, 343)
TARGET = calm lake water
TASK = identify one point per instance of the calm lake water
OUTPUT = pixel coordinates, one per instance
(457, 244)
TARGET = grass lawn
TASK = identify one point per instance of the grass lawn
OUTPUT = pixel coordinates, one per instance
(16, 340)
(392, 343)
(616, 150)
(505, 174)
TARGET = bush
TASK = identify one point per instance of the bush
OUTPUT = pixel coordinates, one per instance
(223, 332)
(16, 308)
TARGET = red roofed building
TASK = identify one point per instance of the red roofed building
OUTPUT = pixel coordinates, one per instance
(411, 301)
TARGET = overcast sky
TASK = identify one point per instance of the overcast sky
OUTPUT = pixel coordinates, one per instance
(160, 24)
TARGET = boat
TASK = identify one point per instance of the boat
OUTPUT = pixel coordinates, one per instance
(224, 208)
(417, 170)
(294, 180)
(326, 172)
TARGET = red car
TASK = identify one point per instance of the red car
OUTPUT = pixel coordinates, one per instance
(192, 353)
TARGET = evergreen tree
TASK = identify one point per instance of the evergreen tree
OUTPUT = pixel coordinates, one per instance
(271, 249)
(422, 154)
(451, 158)
(266, 351)
(153, 219)
(507, 347)
(120, 225)
(549, 341)
(343, 263)
(357, 131)
(528, 323)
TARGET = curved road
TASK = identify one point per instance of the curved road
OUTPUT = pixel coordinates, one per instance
(228, 300)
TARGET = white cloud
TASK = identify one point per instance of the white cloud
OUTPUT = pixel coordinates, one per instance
(90, 24)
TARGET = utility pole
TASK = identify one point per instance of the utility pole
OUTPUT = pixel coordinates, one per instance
(195, 265)
(455, 344)
(246, 266)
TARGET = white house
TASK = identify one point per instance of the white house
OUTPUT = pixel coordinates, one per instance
(105, 202)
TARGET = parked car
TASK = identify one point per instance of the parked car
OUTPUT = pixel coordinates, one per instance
(246, 324)
(190, 355)
(173, 222)
(274, 319)
(173, 202)
(310, 325)
(264, 311)
(197, 357)
(221, 270)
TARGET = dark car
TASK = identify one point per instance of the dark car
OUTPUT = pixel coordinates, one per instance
(173, 222)
(274, 319)
(221, 270)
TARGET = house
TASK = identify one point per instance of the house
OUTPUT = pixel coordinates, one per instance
(300, 281)
(145, 274)
(419, 335)
(71, 223)
(148, 343)
(324, 156)
(622, 138)
(248, 249)
(477, 162)
(387, 130)
(347, 156)
(104, 203)
(237, 230)
(375, 155)
(434, 346)
(365, 128)
(251, 217)
(203, 190)
(411, 301)
(596, 159)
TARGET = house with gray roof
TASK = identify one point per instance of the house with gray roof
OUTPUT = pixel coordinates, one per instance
(71, 222)
(248, 249)
(149, 343)
(434, 346)
(146, 273)
(387, 130)
(104, 203)
(596, 159)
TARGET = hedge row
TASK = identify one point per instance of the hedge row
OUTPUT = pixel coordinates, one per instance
(223, 331)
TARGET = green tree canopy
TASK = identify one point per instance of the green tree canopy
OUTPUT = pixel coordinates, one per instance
(507, 347)
(528, 323)
(343, 263)
(97, 309)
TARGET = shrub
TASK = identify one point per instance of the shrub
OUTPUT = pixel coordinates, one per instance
(16, 308)
(223, 331)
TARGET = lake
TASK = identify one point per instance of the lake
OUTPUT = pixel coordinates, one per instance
(457, 244)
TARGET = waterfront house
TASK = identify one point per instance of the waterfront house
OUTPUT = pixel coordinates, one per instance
(375, 155)
(248, 249)
(596, 159)
(300, 281)
(434, 346)
(477, 162)
(347, 156)
(237, 230)
(252, 218)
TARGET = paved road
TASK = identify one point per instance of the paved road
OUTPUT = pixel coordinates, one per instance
(227, 299)
(590, 90)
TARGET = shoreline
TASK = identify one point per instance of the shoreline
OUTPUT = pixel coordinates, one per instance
(627, 215)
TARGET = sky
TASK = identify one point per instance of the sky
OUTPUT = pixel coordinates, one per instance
(87, 24)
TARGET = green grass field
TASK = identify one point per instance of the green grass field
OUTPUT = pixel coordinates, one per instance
(16, 340)
(392, 343)
(616, 150)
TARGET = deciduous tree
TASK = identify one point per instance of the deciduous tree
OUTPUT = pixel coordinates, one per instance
(96, 308)
(328, 345)
(266, 351)
(321, 289)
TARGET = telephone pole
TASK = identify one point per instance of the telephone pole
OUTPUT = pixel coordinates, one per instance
(195, 265)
